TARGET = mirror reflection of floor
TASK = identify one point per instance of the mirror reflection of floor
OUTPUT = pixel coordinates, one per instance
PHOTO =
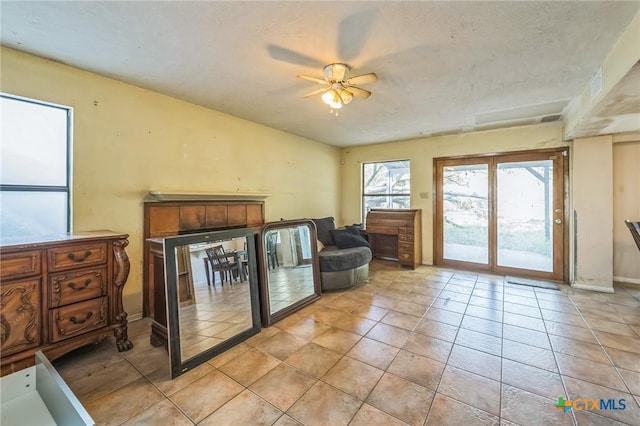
(220, 313)
(288, 285)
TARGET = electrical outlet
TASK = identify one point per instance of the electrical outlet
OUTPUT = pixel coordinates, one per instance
(424, 195)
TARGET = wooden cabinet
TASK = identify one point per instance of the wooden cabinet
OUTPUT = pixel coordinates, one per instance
(21, 317)
(182, 216)
(59, 294)
(396, 234)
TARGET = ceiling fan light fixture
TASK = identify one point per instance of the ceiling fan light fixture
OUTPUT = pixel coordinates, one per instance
(339, 90)
(335, 72)
(332, 98)
(346, 96)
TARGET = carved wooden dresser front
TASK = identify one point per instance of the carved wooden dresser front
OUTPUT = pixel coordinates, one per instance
(61, 293)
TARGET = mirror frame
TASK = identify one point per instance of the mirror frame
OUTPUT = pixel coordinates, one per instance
(269, 318)
(176, 363)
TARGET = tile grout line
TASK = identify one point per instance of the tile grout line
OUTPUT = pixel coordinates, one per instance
(435, 391)
(362, 402)
(435, 298)
(396, 355)
(603, 347)
(165, 397)
(446, 363)
(555, 359)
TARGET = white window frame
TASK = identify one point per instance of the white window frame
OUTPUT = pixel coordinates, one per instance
(365, 195)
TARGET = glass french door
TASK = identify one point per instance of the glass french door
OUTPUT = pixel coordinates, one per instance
(502, 213)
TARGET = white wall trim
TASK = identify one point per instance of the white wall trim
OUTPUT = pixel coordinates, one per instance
(592, 287)
(627, 280)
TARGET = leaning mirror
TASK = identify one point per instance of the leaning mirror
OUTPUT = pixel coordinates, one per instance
(212, 294)
(289, 268)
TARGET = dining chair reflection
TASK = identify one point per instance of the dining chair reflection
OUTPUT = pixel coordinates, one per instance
(219, 261)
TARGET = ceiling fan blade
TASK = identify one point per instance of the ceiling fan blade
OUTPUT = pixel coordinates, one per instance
(287, 55)
(356, 91)
(363, 79)
(353, 33)
(315, 92)
(314, 79)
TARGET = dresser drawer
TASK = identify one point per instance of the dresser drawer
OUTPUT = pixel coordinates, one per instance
(77, 256)
(20, 264)
(405, 255)
(405, 247)
(405, 230)
(76, 286)
(405, 237)
(76, 319)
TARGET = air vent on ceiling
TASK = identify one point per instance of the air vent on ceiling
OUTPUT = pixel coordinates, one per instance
(529, 114)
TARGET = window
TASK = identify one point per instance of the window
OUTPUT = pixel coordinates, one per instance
(385, 185)
(34, 168)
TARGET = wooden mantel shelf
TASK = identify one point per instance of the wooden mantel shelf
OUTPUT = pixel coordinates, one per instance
(160, 196)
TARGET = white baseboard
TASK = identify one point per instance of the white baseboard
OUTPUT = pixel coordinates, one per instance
(627, 280)
(591, 287)
(134, 317)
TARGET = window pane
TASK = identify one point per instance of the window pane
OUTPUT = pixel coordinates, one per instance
(384, 202)
(391, 177)
(34, 144)
(525, 210)
(32, 213)
(466, 213)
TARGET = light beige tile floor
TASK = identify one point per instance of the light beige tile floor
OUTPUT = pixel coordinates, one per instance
(430, 346)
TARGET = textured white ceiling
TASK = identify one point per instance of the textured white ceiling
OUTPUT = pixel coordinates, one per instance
(440, 64)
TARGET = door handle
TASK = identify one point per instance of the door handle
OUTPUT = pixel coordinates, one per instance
(558, 221)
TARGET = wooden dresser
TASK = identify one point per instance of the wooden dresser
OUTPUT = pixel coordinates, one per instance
(60, 293)
(396, 234)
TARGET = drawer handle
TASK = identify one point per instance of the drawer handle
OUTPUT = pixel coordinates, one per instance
(81, 321)
(72, 285)
(85, 257)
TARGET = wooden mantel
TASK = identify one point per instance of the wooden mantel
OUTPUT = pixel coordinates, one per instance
(173, 213)
(159, 196)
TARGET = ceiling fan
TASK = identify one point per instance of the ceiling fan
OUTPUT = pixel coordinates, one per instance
(339, 89)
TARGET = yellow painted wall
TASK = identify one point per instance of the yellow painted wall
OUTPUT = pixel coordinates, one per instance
(421, 152)
(626, 205)
(127, 141)
(592, 204)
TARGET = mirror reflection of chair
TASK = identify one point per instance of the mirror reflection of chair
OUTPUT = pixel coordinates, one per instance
(219, 262)
(634, 228)
(244, 260)
(272, 256)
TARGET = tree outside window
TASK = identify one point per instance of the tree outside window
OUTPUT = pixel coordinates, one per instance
(386, 185)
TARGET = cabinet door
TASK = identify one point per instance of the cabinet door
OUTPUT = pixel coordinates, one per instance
(20, 316)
